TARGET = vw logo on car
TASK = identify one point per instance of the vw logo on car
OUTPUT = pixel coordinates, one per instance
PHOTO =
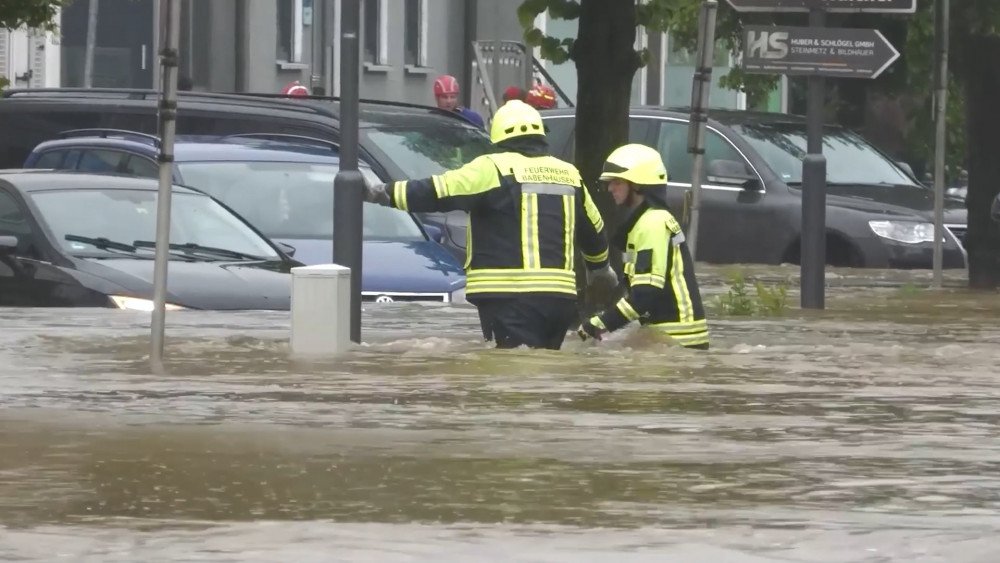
(383, 299)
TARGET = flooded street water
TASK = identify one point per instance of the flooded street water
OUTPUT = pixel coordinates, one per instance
(867, 432)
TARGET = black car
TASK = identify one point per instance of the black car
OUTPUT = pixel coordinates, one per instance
(397, 140)
(877, 214)
(87, 240)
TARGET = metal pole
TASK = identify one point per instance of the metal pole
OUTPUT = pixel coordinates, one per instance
(170, 39)
(88, 57)
(349, 185)
(813, 246)
(702, 87)
(941, 30)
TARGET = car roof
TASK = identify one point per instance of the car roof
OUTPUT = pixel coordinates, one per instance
(371, 112)
(200, 148)
(34, 181)
(723, 116)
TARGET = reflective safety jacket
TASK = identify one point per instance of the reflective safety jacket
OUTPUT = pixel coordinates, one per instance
(663, 292)
(527, 214)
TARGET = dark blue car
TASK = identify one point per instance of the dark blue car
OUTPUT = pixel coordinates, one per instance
(282, 186)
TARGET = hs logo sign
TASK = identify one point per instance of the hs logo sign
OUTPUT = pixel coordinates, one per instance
(767, 44)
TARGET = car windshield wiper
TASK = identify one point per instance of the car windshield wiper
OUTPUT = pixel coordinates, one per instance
(102, 242)
(190, 248)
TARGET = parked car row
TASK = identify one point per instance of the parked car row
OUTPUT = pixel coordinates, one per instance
(877, 214)
(268, 164)
(262, 167)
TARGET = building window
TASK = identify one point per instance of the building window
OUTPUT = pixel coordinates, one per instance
(415, 31)
(289, 31)
(376, 32)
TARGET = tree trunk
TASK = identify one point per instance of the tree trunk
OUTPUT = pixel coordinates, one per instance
(606, 62)
(982, 82)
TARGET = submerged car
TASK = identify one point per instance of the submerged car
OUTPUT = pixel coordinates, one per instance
(283, 185)
(877, 214)
(88, 240)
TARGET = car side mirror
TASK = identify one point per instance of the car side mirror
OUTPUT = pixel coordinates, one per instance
(286, 248)
(435, 232)
(730, 172)
(906, 168)
(8, 244)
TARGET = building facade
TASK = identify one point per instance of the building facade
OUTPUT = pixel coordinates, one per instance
(262, 45)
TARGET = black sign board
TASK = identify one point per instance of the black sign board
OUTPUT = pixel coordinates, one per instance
(880, 6)
(816, 51)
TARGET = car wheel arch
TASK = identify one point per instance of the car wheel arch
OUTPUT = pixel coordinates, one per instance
(840, 251)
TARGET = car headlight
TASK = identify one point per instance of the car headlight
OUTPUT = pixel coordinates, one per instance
(909, 232)
(136, 304)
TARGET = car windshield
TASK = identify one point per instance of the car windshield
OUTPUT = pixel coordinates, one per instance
(292, 200)
(126, 216)
(421, 153)
(849, 158)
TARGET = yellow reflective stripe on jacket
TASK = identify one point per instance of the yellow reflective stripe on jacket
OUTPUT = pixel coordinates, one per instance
(592, 213)
(399, 195)
(440, 188)
(685, 309)
(686, 334)
(569, 212)
(596, 259)
(625, 308)
(530, 246)
(548, 280)
(654, 280)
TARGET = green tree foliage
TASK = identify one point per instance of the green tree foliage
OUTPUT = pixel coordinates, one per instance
(31, 13)
(974, 86)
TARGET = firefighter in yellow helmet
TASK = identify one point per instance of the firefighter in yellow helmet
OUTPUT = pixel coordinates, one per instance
(528, 212)
(662, 289)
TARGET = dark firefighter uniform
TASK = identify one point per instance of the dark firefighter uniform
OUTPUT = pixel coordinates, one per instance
(662, 289)
(527, 213)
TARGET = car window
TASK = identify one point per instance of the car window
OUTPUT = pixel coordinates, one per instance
(141, 166)
(559, 134)
(292, 199)
(421, 153)
(672, 144)
(99, 160)
(14, 222)
(130, 215)
(51, 159)
(849, 158)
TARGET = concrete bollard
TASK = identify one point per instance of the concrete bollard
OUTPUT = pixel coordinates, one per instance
(321, 312)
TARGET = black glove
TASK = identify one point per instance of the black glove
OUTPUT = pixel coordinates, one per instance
(377, 193)
(592, 328)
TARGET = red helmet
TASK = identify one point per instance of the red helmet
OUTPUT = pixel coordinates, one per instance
(513, 93)
(541, 96)
(296, 89)
(445, 84)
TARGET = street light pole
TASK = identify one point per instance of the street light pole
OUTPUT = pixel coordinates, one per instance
(941, 30)
(349, 185)
(170, 19)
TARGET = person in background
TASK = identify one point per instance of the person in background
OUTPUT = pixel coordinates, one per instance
(663, 292)
(513, 93)
(541, 96)
(295, 89)
(529, 212)
(446, 95)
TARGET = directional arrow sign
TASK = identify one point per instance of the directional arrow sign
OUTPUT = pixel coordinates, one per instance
(816, 51)
(881, 6)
